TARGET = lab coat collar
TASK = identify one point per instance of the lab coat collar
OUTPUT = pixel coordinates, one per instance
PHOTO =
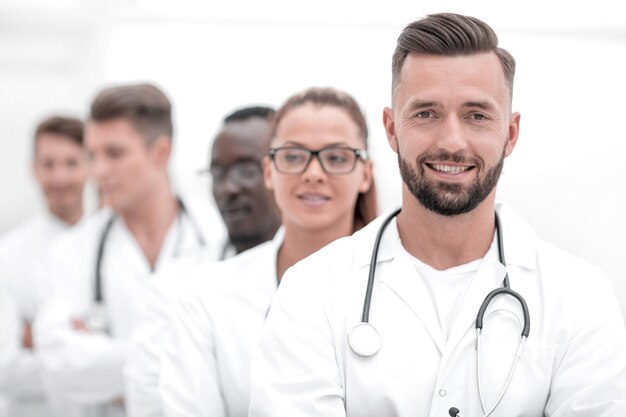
(519, 247)
(518, 238)
(277, 242)
(54, 221)
(273, 246)
(364, 240)
(278, 238)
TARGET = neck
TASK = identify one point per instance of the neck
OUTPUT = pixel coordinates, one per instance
(71, 217)
(299, 244)
(446, 241)
(243, 244)
(152, 214)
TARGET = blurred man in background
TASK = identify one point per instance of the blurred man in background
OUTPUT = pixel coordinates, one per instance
(101, 269)
(60, 169)
(246, 206)
(251, 217)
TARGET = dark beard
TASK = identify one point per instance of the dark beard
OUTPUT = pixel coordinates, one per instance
(449, 199)
(250, 240)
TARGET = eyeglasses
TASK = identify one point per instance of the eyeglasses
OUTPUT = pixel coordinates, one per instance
(335, 160)
(245, 173)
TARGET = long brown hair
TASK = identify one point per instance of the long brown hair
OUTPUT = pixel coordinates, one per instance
(366, 207)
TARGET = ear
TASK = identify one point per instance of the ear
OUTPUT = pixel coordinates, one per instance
(161, 149)
(513, 133)
(390, 128)
(267, 173)
(366, 179)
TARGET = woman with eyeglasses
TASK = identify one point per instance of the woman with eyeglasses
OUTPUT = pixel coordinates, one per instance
(319, 171)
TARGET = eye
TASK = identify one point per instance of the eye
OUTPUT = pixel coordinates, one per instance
(115, 152)
(336, 156)
(217, 173)
(47, 164)
(293, 156)
(424, 114)
(478, 116)
(246, 170)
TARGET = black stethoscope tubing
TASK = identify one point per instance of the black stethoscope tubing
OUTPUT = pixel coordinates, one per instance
(98, 296)
(372, 337)
(505, 289)
(372, 271)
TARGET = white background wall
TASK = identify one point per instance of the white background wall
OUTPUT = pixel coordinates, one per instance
(565, 176)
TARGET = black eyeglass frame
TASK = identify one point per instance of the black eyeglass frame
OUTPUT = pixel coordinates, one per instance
(226, 173)
(359, 153)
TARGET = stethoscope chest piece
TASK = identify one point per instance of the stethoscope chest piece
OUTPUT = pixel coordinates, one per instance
(97, 318)
(364, 340)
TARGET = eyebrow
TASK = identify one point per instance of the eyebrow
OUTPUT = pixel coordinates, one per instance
(421, 104)
(246, 158)
(300, 145)
(485, 105)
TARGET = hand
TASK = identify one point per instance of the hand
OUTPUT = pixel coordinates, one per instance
(79, 325)
(27, 336)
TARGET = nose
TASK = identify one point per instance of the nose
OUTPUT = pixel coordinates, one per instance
(60, 174)
(314, 172)
(98, 167)
(226, 187)
(452, 137)
(229, 186)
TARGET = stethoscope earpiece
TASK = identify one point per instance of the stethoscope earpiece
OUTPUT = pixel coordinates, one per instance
(364, 340)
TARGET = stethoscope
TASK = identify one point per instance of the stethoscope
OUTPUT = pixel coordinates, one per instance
(96, 319)
(365, 341)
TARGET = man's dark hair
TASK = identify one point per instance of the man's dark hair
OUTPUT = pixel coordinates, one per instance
(146, 107)
(69, 127)
(246, 113)
(449, 34)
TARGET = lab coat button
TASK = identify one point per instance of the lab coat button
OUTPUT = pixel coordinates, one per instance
(442, 392)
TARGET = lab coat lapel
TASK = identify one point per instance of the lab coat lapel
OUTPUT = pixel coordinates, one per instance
(404, 280)
(489, 276)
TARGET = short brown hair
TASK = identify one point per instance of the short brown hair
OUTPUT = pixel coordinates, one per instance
(449, 34)
(146, 107)
(366, 208)
(69, 127)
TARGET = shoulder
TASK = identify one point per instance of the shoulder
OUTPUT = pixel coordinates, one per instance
(572, 275)
(248, 272)
(244, 267)
(94, 222)
(76, 247)
(348, 251)
(18, 235)
(561, 275)
(205, 216)
(336, 263)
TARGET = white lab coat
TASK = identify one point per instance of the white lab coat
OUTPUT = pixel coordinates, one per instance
(83, 370)
(574, 362)
(20, 294)
(151, 335)
(217, 325)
